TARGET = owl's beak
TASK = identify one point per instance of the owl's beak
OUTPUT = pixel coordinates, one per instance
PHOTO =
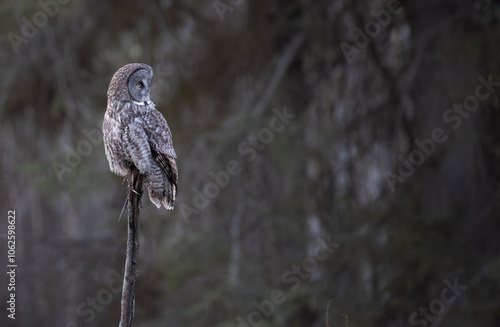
(148, 99)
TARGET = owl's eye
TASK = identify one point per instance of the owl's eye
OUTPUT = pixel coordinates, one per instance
(139, 85)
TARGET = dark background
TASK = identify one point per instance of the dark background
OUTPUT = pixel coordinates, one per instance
(362, 105)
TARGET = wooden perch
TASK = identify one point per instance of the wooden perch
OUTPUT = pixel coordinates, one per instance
(134, 194)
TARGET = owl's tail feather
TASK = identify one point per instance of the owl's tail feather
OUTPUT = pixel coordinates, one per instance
(163, 196)
(162, 184)
(169, 197)
(155, 197)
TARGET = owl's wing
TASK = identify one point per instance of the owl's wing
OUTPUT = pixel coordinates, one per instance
(168, 165)
(161, 144)
(159, 134)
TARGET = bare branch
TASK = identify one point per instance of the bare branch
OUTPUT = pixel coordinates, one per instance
(134, 207)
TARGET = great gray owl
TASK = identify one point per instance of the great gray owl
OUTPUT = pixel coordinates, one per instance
(136, 135)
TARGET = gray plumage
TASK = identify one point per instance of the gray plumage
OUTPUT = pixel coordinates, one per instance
(136, 135)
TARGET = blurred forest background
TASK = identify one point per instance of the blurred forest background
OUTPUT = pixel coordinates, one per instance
(315, 107)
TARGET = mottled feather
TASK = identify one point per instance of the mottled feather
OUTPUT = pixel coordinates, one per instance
(136, 134)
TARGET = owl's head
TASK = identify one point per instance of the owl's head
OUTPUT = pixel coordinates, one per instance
(131, 83)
